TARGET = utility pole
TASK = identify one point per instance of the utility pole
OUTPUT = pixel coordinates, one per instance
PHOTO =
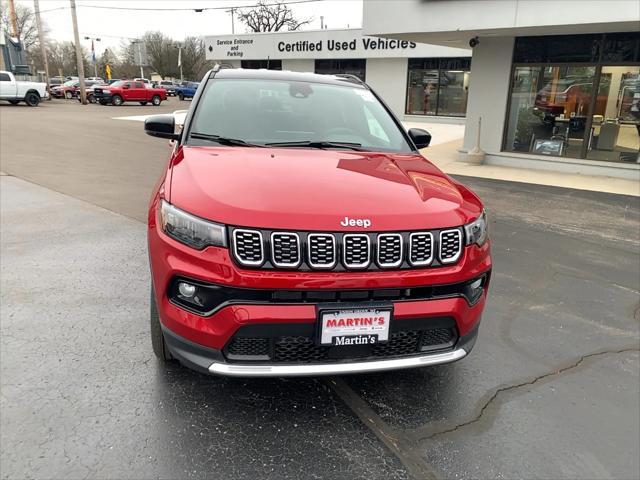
(179, 47)
(138, 42)
(13, 22)
(79, 59)
(233, 27)
(43, 48)
(321, 22)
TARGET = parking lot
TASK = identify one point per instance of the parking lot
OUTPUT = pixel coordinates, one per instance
(551, 390)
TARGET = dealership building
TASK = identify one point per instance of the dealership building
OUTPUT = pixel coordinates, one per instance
(556, 84)
(539, 84)
(416, 80)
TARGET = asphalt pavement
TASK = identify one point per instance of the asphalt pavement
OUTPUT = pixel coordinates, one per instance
(551, 390)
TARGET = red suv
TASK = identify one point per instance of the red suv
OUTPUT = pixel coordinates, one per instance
(297, 230)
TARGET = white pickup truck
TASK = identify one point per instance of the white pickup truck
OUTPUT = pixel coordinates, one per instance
(15, 91)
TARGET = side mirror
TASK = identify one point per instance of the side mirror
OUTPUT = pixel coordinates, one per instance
(161, 126)
(420, 137)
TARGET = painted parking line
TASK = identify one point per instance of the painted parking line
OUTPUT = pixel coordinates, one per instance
(179, 115)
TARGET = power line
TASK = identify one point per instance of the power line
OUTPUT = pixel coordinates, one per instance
(192, 9)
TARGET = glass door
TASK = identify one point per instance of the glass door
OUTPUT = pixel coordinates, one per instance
(615, 124)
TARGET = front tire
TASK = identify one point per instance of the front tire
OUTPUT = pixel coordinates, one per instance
(156, 100)
(158, 343)
(92, 99)
(68, 95)
(181, 96)
(116, 100)
(32, 99)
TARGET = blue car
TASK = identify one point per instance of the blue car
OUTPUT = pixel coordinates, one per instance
(187, 90)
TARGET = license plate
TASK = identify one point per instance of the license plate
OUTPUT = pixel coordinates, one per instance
(354, 326)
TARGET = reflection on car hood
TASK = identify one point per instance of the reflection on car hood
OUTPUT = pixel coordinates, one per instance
(312, 189)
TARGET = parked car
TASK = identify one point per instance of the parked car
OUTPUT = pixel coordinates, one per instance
(15, 91)
(91, 92)
(96, 79)
(129, 91)
(168, 85)
(187, 90)
(55, 81)
(66, 90)
(275, 240)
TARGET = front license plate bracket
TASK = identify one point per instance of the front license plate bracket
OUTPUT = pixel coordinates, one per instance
(353, 324)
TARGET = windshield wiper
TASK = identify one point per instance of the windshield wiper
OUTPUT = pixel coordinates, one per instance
(317, 144)
(233, 142)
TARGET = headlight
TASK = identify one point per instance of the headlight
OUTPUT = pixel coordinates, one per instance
(191, 230)
(476, 231)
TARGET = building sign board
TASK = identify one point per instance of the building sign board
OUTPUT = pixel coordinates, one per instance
(317, 44)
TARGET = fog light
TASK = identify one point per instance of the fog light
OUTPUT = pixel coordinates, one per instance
(474, 290)
(186, 289)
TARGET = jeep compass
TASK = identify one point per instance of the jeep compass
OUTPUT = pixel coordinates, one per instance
(297, 230)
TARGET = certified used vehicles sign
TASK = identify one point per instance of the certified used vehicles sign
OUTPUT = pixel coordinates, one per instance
(361, 326)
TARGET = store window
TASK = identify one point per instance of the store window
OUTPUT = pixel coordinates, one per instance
(438, 86)
(576, 96)
(266, 64)
(357, 67)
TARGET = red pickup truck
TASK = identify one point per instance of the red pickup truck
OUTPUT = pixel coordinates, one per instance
(129, 91)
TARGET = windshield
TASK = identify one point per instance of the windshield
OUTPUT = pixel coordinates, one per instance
(70, 83)
(262, 111)
(116, 84)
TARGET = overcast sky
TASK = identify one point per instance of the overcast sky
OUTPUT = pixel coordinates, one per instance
(115, 26)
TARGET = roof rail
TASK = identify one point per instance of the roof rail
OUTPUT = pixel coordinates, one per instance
(352, 77)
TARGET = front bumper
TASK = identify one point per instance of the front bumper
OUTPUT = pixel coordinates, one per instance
(212, 361)
(204, 341)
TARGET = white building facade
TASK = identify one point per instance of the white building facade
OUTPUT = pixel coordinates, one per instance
(555, 84)
(417, 81)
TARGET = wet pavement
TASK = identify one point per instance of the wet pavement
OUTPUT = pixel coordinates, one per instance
(551, 390)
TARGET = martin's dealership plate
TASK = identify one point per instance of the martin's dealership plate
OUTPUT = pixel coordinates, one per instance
(355, 326)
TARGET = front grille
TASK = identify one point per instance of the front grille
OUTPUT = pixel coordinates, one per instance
(303, 349)
(339, 251)
(285, 249)
(450, 245)
(248, 247)
(356, 251)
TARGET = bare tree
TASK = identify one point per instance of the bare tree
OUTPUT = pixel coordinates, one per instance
(265, 17)
(194, 62)
(27, 28)
(162, 55)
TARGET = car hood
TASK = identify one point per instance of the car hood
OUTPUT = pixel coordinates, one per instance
(312, 189)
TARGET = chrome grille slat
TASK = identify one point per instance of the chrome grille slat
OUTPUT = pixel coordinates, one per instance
(285, 249)
(450, 245)
(420, 248)
(322, 252)
(389, 250)
(356, 250)
(248, 247)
